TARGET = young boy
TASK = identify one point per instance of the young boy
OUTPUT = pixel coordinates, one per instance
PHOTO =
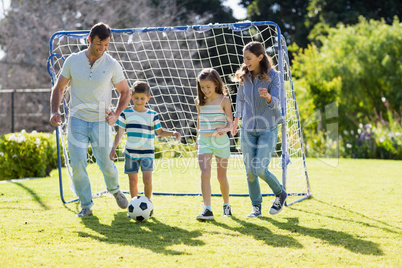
(140, 124)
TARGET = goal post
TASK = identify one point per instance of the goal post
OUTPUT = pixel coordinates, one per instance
(169, 59)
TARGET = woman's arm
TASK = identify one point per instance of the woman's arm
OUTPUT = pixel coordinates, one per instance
(274, 88)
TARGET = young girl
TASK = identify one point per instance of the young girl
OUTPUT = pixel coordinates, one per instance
(214, 121)
(257, 105)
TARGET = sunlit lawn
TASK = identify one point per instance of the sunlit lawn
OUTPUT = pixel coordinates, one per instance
(354, 219)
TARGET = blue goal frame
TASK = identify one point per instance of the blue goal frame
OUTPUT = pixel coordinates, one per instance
(238, 26)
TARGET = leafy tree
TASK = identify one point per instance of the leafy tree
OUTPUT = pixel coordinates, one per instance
(357, 66)
(28, 25)
(297, 18)
(348, 11)
(289, 15)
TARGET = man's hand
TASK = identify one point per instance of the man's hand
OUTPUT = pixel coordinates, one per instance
(55, 119)
(111, 117)
(112, 154)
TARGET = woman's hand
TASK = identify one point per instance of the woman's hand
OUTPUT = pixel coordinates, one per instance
(234, 127)
(264, 94)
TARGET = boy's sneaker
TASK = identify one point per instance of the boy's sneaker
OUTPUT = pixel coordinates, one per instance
(278, 203)
(85, 212)
(256, 212)
(227, 211)
(206, 215)
(121, 199)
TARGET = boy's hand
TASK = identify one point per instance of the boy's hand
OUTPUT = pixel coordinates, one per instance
(177, 135)
(112, 155)
(196, 145)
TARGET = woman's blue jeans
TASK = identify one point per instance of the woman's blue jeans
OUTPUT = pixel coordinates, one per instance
(99, 134)
(257, 149)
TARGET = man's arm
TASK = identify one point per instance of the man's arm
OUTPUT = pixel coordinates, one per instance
(124, 90)
(55, 100)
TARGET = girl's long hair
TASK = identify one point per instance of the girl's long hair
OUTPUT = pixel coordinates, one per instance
(211, 75)
(266, 63)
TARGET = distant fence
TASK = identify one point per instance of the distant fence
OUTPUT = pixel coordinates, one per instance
(27, 109)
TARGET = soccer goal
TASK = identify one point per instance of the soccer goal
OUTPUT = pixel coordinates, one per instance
(169, 59)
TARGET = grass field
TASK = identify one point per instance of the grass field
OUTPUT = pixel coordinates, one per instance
(354, 219)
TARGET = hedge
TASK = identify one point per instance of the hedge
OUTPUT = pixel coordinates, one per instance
(24, 155)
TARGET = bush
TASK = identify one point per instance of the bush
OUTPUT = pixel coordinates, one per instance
(381, 140)
(25, 155)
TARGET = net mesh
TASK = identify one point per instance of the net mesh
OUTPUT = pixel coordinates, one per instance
(169, 59)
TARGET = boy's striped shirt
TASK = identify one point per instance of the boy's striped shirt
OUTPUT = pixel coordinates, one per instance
(140, 128)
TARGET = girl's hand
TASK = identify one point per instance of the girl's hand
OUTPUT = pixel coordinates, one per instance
(196, 145)
(220, 132)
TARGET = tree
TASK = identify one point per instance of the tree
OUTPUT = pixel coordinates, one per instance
(289, 15)
(297, 18)
(357, 66)
(28, 25)
(348, 11)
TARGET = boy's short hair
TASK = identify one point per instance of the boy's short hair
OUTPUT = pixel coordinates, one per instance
(102, 30)
(141, 87)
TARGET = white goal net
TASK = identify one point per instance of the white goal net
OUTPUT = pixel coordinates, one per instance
(169, 59)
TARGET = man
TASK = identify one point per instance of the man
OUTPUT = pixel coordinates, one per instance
(92, 73)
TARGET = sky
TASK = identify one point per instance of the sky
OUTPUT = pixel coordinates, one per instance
(6, 5)
(239, 12)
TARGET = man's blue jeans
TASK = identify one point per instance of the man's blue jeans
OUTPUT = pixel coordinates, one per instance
(257, 149)
(99, 135)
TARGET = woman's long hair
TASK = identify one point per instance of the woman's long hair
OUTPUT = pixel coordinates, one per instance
(266, 63)
(211, 75)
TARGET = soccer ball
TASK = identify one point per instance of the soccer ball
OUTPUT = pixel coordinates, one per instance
(140, 208)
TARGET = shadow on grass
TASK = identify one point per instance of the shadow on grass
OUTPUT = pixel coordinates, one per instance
(352, 219)
(33, 194)
(152, 234)
(335, 238)
(260, 233)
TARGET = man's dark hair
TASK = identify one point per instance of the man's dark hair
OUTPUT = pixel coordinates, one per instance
(102, 30)
(141, 87)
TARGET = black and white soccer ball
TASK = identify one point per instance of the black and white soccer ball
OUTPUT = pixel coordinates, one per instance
(140, 208)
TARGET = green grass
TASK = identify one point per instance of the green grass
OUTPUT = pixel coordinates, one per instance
(354, 219)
